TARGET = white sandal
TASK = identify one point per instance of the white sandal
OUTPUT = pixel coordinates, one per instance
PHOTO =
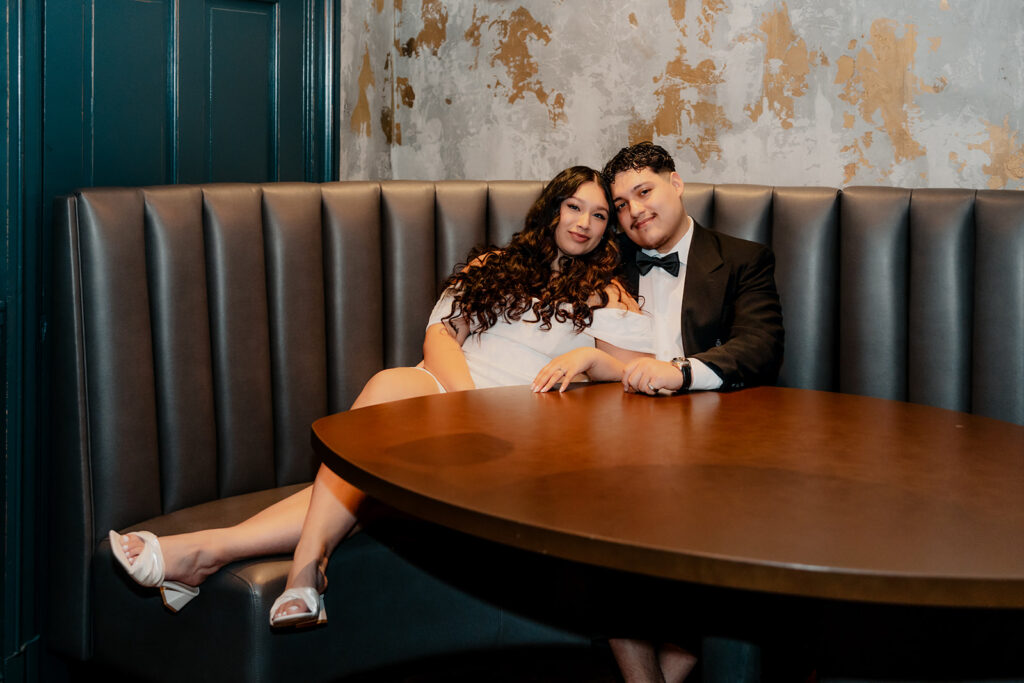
(315, 612)
(148, 570)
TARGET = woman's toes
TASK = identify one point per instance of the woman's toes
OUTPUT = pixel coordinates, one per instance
(289, 608)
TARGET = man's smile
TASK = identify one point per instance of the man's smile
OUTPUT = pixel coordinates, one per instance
(642, 222)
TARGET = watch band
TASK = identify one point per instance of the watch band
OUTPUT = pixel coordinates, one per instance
(683, 366)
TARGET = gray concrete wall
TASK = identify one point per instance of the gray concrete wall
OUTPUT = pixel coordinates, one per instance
(922, 93)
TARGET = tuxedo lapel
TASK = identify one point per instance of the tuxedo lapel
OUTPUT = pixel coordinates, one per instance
(704, 291)
(704, 256)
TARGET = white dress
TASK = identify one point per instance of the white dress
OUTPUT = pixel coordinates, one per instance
(512, 353)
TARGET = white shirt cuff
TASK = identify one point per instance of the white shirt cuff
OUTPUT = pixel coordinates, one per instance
(703, 378)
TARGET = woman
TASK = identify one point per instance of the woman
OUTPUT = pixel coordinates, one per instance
(542, 310)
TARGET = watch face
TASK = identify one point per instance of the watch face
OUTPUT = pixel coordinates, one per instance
(683, 366)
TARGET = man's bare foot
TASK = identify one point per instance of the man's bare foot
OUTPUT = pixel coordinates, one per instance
(186, 556)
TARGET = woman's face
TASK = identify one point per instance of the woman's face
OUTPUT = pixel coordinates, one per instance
(583, 218)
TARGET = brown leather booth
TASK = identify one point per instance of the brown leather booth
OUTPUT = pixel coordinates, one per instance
(199, 330)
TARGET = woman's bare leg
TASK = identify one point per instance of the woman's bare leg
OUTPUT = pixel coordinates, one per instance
(192, 557)
(334, 504)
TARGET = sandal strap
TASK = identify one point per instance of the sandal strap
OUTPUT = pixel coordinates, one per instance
(148, 569)
(309, 597)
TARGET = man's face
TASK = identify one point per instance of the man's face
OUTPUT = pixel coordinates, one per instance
(650, 208)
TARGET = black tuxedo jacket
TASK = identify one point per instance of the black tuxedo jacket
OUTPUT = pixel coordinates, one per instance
(731, 316)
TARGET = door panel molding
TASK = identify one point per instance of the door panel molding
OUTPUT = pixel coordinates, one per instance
(167, 91)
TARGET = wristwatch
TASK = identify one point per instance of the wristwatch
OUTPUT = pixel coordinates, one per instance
(683, 365)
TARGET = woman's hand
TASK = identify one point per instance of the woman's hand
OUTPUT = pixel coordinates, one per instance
(565, 368)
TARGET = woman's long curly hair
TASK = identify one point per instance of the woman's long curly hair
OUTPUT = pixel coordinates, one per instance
(518, 279)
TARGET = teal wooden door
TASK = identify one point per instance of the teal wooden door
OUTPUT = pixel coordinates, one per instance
(143, 92)
(127, 92)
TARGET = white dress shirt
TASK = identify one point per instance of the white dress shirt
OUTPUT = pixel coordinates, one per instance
(663, 298)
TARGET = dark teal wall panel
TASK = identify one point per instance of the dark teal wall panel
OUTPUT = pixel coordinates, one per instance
(98, 92)
(65, 91)
(243, 103)
(295, 95)
(127, 123)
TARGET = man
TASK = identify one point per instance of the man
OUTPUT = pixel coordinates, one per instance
(717, 320)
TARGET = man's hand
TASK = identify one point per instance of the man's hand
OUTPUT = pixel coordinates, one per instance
(647, 376)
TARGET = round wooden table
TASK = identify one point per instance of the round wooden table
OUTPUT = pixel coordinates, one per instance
(778, 490)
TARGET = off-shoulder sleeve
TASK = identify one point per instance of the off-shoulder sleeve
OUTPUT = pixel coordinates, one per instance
(442, 308)
(622, 328)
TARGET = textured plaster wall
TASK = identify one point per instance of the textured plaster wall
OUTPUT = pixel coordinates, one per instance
(925, 93)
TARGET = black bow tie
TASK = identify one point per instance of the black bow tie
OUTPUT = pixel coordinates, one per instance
(670, 263)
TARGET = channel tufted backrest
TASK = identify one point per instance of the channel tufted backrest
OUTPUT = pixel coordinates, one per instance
(218, 321)
(205, 327)
(913, 295)
(932, 298)
(801, 224)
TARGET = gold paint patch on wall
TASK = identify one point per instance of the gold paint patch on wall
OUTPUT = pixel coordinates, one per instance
(472, 33)
(786, 65)
(640, 131)
(881, 80)
(678, 8)
(360, 121)
(709, 10)
(387, 124)
(958, 163)
(850, 169)
(704, 75)
(677, 82)
(387, 114)
(706, 115)
(513, 54)
(709, 118)
(405, 91)
(1006, 157)
(434, 32)
(667, 118)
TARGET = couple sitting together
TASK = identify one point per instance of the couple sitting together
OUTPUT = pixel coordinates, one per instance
(559, 301)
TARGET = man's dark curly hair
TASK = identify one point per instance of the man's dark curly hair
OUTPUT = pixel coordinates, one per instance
(517, 279)
(636, 158)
